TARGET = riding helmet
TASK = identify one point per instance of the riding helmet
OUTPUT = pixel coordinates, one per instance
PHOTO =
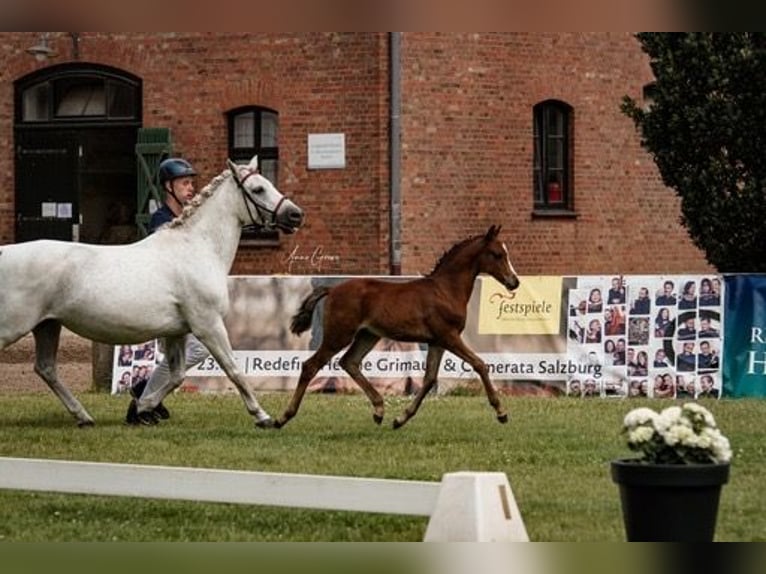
(173, 168)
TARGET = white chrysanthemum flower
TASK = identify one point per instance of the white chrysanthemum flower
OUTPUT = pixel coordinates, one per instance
(667, 418)
(706, 438)
(697, 411)
(686, 434)
(638, 417)
(641, 435)
(678, 434)
(720, 448)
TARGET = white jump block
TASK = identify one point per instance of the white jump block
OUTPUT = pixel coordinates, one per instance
(475, 507)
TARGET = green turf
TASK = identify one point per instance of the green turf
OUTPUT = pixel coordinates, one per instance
(556, 453)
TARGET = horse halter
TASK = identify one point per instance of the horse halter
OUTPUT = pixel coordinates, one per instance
(261, 209)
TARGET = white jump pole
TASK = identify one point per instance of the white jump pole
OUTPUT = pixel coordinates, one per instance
(465, 506)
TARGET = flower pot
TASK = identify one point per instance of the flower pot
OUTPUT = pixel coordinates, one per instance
(669, 502)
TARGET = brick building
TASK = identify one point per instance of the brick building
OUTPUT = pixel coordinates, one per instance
(522, 129)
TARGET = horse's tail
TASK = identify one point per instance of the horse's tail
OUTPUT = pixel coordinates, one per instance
(301, 321)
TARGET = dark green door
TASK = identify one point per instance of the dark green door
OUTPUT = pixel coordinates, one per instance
(152, 146)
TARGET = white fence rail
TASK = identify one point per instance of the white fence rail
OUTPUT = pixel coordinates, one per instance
(464, 506)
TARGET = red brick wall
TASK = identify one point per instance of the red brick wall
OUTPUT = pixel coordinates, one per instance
(318, 82)
(466, 140)
(468, 153)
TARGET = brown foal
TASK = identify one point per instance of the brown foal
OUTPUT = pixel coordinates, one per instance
(430, 310)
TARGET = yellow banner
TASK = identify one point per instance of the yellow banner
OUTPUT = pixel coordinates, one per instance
(533, 309)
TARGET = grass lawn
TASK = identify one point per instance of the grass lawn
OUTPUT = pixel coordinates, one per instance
(556, 453)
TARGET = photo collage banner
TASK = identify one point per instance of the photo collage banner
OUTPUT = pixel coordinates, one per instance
(653, 336)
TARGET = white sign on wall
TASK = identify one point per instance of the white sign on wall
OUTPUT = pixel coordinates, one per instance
(327, 151)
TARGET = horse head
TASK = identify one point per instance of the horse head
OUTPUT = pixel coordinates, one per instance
(266, 206)
(494, 259)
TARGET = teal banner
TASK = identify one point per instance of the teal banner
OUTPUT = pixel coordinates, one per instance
(744, 361)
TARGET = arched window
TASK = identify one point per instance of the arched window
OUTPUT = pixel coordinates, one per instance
(76, 93)
(552, 145)
(254, 130)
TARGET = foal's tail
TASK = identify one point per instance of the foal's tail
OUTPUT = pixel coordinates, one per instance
(301, 321)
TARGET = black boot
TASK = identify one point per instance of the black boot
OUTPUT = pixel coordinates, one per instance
(131, 418)
(148, 418)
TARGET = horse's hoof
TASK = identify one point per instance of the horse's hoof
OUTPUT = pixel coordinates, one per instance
(279, 423)
(377, 418)
(268, 423)
(504, 418)
(397, 424)
(86, 424)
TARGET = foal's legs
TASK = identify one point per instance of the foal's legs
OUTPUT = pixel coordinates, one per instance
(455, 344)
(335, 338)
(310, 368)
(433, 360)
(46, 347)
(363, 344)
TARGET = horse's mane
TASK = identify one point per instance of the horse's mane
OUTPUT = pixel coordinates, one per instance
(192, 207)
(450, 253)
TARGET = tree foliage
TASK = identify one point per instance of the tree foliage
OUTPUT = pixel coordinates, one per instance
(706, 130)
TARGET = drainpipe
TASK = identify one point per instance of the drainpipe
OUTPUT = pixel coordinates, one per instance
(395, 210)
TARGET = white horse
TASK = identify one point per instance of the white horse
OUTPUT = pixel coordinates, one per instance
(168, 284)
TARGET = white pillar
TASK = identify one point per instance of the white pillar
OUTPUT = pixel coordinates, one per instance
(475, 507)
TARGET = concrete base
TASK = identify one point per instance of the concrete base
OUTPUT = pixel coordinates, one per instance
(476, 507)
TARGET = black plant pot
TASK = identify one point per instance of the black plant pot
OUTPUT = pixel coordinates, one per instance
(669, 502)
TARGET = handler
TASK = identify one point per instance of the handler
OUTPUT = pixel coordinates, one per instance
(176, 176)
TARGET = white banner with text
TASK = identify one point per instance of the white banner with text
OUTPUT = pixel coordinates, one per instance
(586, 336)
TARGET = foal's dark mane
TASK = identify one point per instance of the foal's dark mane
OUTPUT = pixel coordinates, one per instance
(448, 255)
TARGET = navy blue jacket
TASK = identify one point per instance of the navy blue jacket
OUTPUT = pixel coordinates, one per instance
(160, 217)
